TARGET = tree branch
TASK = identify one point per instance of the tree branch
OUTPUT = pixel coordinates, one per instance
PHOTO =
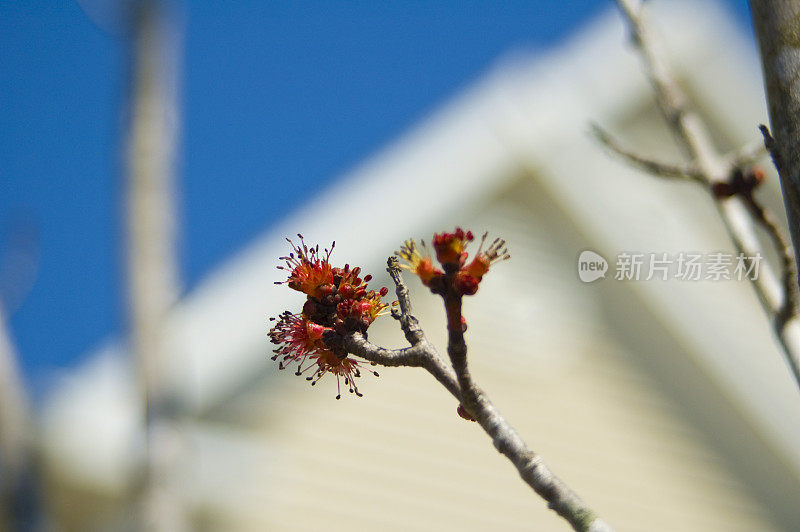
(656, 168)
(745, 156)
(458, 382)
(560, 498)
(735, 211)
(684, 123)
(422, 355)
(408, 322)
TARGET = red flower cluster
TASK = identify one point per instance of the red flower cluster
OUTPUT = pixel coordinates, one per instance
(338, 302)
(450, 249)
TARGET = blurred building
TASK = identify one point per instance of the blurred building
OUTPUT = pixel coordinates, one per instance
(665, 404)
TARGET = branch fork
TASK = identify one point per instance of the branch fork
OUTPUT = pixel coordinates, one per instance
(458, 381)
(729, 178)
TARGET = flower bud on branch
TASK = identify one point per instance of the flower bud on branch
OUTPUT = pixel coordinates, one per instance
(338, 303)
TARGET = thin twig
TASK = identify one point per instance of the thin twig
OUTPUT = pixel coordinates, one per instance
(746, 156)
(659, 169)
(560, 498)
(789, 306)
(685, 124)
(408, 322)
(692, 135)
(422, 355)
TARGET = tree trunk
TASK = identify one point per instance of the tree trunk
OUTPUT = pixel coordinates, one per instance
(777, 27)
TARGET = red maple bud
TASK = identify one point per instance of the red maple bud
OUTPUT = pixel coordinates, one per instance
(309, 269)
(740, 182)
(300, 341)
(478, 267)
(347, 291)
(756, 175)
(417, 262)
(451, 250)
(496, 252)
(465, 284)
(427, 272)
(297, 337)
(338, 303)
(367, 308)
(463, 413)
(449, 247)
(315, 331)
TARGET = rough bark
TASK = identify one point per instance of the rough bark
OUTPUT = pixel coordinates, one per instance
(777, 27)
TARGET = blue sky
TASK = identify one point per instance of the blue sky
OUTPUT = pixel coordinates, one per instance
(278, 99)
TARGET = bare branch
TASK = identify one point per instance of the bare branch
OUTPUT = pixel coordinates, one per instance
(531, 467)
(407, 356)
(560, 498)
(746, 156)
(650, 166)
(408, 322)
(458, 382)
(422, 355)
(684, 122)
(788, 307)
(736, 212)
